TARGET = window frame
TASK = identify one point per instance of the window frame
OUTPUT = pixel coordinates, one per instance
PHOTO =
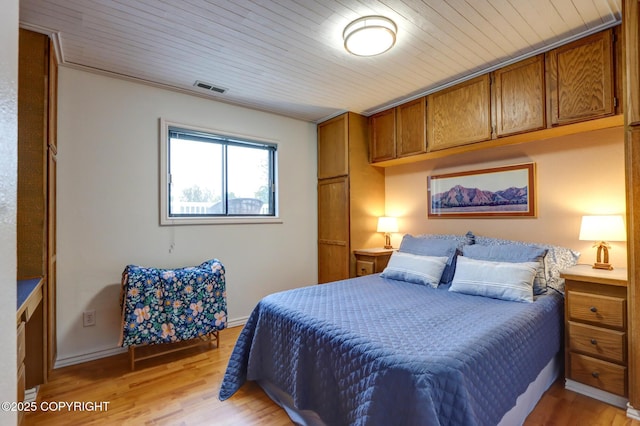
(164, 191)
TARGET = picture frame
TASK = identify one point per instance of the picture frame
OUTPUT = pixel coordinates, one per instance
(507, 191)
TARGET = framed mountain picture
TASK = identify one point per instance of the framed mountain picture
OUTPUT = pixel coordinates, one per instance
(497, 192)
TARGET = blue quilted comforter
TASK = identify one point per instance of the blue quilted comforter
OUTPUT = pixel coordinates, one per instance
(376, 351)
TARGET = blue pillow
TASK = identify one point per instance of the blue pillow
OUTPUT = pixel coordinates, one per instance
(413, 268)
(500, 280)
(557, 258)
(433, 247)
(513, 253)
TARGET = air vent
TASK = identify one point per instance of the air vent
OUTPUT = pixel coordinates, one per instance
(209, 86)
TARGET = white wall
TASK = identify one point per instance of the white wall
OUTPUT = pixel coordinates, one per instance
(108, 205)
(575, 175)
(8, 193)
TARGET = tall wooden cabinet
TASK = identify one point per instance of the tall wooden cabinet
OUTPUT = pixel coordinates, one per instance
(36, 222)
(350, 196)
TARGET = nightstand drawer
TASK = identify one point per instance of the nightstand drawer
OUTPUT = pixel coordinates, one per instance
(597, 309)
(599, 342)
(599, 374)
(364, 267)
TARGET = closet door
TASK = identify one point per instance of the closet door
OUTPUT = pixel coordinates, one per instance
(333, 229)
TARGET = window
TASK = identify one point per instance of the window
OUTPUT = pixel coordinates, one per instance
(206, 176)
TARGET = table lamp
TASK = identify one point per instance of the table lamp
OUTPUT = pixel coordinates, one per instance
(387, 225)
(602, 229)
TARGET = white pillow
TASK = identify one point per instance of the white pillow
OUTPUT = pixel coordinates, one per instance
(413, 268)
(499, 280)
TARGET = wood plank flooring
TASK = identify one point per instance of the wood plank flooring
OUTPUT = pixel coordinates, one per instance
(182, 389)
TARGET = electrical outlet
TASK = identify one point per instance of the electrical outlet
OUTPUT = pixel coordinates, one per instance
(88, 318)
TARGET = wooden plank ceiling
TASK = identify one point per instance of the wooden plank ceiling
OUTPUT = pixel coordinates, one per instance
(287, 56)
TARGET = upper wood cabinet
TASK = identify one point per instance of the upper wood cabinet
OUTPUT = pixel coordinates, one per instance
(460, 114)
(580, 78)
(519, 97)
(411, 127)
(399, 131)
(333, 147)
(382, 135)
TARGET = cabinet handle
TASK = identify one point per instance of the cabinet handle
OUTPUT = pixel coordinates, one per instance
(593, 309)
(594, 342)
(595, 374)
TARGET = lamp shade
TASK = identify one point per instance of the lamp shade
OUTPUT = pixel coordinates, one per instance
(387, 224)
(369, 35)
(602, 228)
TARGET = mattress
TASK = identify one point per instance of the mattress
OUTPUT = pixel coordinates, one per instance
(372, 350)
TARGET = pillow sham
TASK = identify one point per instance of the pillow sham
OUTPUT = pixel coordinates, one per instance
(427, 246)
(557, 258)
(499, 280)
(513, 253)
(425, 270)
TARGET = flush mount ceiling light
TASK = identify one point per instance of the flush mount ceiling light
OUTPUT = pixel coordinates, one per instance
(369, 35)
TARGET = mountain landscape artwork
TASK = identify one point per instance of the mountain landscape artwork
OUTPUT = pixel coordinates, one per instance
(503, 191)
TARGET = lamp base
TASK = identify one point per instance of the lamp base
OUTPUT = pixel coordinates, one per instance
(599, 265)
(387, 241)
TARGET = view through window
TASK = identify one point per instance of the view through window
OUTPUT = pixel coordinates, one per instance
(211, 175)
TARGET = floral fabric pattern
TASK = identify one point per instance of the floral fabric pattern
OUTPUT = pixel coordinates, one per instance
(170, 305)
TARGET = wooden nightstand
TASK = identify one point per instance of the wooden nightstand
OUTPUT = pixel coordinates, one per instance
(371, 261)
(595, 312)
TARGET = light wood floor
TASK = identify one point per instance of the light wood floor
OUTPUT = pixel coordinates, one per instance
(182, 389)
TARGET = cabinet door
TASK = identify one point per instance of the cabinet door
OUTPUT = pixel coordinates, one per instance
(519, 93)
(580, 79)
(333, 229)
(382, 133)
(460, 114)
(411, 128)
(333, 149)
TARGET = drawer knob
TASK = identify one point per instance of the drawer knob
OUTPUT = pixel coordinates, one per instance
(593, 309)
(594, 342)
(595, 374)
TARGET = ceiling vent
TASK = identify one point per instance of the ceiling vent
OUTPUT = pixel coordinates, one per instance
(209, 86)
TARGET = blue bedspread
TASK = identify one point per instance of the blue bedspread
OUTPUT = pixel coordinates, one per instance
(376, 351)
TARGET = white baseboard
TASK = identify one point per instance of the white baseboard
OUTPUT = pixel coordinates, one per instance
(632, 413)
(592, 392)
(92, 356)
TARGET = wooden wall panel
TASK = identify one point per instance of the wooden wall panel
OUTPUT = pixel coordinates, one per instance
(32, 159)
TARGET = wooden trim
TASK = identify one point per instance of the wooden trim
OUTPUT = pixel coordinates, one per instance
(554, 132)
(631, 87)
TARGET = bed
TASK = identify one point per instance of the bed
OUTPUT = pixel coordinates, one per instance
(412, 345)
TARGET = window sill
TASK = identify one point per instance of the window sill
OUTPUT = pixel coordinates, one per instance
(244, 220)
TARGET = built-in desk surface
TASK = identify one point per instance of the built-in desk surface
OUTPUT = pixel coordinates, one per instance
(29, 296)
